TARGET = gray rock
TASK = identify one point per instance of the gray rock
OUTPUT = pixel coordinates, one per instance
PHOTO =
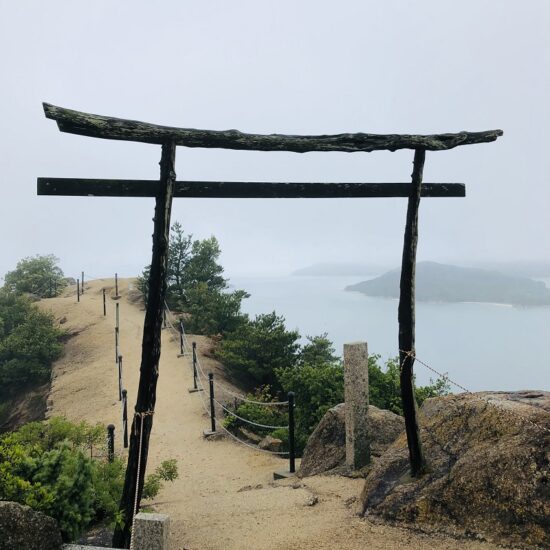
(22, 527)
(326, 447)
(269, 443)
(489, 469)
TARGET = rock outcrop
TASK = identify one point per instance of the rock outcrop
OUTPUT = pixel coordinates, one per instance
(489, 457)
(22, 527)
(326, 447)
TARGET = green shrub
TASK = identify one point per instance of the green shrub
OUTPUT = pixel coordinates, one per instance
(212, 311)
(167, 471)
(38, 275)
(260, 347)
(267, 415)
(29, 343)
(46, 465)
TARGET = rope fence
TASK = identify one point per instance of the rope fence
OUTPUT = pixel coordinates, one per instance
(204, 384)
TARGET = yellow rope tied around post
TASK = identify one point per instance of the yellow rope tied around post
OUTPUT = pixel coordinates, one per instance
(141, 416)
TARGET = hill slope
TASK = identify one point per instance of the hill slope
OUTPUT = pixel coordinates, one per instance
(446, 283)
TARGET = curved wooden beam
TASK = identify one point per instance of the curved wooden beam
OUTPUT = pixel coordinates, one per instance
(86, 124)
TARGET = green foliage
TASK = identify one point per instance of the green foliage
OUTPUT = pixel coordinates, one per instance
(258, 349)
(203, 267)
(214, 312)
(317, 389)
(46, 466)
(29, 343)
(260, 414)
(38, 275)
(167, 471)
(195, 285)
(384, 386)
(318, 351)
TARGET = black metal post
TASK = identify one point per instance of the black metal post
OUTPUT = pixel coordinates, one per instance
(78, 290)
(111, 442)
(164, 318)
(117, 316)
(116, 285)
(195, 365)
(116, 344)
(125, 417)
(212, 409)
(104, 304)
(120, 377)
(83, 282)
(291, 442)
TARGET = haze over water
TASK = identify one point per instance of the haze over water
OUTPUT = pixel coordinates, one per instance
(481, 346)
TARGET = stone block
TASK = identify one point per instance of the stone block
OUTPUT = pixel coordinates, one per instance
(356, 393)
(151, 532)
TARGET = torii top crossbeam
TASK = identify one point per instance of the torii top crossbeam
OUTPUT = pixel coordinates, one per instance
(85, 124)
(167, 187)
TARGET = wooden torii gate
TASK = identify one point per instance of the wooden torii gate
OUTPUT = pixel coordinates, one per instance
(167, 187)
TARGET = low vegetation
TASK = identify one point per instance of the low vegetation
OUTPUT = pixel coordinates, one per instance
(38, 275)
(60, 468)
(29, 340)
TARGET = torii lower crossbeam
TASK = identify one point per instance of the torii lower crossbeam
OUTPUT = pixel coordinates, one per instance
(75, 187)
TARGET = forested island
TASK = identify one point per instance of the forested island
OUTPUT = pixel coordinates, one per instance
(437, 282)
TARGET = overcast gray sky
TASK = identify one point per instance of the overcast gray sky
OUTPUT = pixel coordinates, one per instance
(288, 67)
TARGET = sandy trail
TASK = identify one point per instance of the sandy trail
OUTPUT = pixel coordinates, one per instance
(225, 497)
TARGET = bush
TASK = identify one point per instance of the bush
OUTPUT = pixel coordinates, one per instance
(260, 414)
(38, 275)
(29, 343)
(384, 386)
(317, 389)
(45, 466)
(258, 349)
(214, 312)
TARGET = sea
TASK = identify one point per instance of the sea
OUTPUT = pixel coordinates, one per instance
(480, 346)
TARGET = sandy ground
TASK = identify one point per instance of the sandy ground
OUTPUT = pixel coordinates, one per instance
(225, 496)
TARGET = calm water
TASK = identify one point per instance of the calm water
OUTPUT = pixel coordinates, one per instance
(481, 346)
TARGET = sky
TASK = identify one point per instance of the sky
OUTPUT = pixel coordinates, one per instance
(305, 67)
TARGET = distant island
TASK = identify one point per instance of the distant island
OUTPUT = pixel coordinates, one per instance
(335, 269)
(447, 283)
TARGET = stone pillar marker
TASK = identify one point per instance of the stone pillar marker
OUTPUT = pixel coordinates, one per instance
(356, 395)
(151, 532)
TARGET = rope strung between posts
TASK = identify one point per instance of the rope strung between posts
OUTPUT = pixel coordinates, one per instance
(241, 397)
(175, 332)
(217, 384)
(141, 416)
(466, 390)
(249, 421)
(233, 436)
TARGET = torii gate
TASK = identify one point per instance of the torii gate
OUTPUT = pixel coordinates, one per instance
(86, 124)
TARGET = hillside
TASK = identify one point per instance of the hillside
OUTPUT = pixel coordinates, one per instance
(225, 497)
(446, 283)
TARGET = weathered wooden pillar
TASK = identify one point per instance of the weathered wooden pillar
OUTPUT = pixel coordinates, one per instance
(406, 316)
(145, 404)
(356, 395)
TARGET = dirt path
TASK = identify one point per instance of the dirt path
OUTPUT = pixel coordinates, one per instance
(225, 497)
